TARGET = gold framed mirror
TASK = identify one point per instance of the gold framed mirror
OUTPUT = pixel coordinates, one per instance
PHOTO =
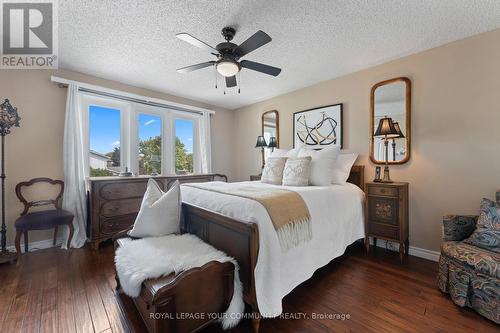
(391, 99)
(270, 129)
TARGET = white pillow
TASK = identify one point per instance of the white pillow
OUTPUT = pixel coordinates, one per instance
(342, 167)
(273, 170)
(293, 153)
(297, 171)
(278, 153)
(322, 164)
(160, 212)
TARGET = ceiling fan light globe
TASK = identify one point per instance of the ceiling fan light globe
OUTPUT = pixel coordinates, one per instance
(228, 68)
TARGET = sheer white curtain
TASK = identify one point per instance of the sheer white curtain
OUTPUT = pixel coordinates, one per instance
(75, 167)
(205, 142)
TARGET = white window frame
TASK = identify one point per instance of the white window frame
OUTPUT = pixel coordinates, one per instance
(196, 149)
(129, 132)
(86, 101)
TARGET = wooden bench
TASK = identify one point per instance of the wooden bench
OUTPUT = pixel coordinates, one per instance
(187, 302)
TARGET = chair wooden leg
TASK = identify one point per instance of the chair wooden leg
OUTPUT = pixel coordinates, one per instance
(18, 242)
(55, 236)
(25, 242)
(71, 229)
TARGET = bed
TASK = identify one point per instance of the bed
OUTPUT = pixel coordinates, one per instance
(238, 226)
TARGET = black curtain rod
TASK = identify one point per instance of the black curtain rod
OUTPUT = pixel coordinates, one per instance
(134, 100)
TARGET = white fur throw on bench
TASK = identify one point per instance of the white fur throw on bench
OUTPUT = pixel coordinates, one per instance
(153, 257)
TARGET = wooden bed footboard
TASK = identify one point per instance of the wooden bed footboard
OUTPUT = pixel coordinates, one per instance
(238, 239)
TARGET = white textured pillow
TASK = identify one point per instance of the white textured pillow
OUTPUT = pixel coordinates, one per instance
(322, 164)
(273, 170)
(293, 153)
(160, 212)
(279, 153)
(342, 167)
(297, 171)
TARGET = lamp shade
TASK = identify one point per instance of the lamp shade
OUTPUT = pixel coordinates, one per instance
(398, 129)
(261, 142)
(272, 142)
(386, 128)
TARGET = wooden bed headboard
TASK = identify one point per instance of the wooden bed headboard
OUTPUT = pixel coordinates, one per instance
(357, 176)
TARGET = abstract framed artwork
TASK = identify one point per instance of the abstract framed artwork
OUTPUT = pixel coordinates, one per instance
(319, 127)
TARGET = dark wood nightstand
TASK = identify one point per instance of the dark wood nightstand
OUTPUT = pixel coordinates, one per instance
(255, 177)
(387, 214)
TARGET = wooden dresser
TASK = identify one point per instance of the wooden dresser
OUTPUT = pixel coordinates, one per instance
(387, 214)
(115, 201)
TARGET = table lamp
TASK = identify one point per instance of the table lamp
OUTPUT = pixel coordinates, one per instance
(387, 131)
(261, 143)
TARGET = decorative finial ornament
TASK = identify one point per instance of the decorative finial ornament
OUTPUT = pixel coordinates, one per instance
(8, 117)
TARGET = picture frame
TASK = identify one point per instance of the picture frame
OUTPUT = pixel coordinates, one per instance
(377, 174)
(319, 127)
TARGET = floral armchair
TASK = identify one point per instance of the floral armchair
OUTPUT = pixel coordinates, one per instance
(470, 274)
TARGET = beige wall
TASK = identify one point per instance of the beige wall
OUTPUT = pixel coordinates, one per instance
(35, 149)
(455, 127)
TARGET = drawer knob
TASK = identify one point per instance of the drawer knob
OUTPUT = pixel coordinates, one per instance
(382, 190)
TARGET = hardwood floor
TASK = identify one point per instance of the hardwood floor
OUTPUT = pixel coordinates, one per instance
(59, 291)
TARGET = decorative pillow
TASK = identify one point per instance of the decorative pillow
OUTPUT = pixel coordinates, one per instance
(487, 233)
(293, 153)
(279, 153)
(160, 212)
(322, 164)
(342, 167)
(273, 170)
(297, 171)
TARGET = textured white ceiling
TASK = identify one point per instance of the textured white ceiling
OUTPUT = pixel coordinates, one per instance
(313, 40)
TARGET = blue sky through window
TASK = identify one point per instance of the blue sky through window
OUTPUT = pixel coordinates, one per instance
(184, 131)
(104, 127)
(149, 126)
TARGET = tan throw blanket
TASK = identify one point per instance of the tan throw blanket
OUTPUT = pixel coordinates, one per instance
(287, 210)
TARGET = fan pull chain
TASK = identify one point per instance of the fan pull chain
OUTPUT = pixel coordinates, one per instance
(215, 72)
(239, 82)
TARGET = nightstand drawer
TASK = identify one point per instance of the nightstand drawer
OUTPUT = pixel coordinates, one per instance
(383, 190)
(383, 230)
(383, 210)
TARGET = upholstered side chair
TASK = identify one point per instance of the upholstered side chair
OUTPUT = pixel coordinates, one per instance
(43, 219)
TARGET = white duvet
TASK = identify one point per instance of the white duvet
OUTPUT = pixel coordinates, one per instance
(337, 221)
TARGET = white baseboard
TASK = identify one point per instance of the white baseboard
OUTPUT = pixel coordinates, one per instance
(414, 251)
(39, 245)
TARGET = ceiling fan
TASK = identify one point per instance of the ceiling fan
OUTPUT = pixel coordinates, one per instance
(228, 55)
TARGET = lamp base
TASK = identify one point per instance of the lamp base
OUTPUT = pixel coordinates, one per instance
(7, 256)
(387, 177)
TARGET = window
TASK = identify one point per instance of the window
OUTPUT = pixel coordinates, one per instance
(139, 138)
(104, 140)
(184, 137)
(150, 147)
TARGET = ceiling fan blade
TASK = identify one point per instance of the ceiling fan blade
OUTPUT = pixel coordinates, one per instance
(191, 68)
(256, 66)
(196, 42)
(230, 81)
(257, 40)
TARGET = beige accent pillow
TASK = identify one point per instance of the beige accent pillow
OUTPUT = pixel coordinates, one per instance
(273, 170)
(297, 171)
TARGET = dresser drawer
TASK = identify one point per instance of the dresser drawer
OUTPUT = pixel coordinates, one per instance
(114, 225)
(114, 208)
(383, 230)
(383, 190)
